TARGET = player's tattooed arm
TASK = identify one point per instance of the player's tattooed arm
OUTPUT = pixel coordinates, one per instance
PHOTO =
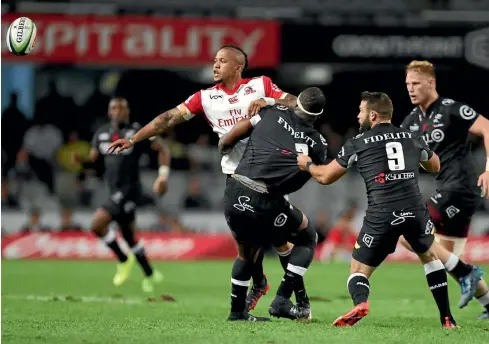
(160, 124)
(240, 130)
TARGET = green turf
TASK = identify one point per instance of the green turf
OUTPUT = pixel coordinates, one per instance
(402, 310)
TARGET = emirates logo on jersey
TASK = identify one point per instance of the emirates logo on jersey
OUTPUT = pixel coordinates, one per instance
(249, 90)
(233, 100)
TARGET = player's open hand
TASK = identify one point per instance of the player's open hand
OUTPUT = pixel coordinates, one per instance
(160, 185)
(484, 184)
(302, 161)
(76, 158)
(255, 107)
(119, 145)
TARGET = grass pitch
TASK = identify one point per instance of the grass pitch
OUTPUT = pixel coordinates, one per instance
(74, 302)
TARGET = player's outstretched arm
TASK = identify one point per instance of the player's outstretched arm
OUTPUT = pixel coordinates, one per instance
(324, 174)
(240, 130)
(160, 124)
(431, 165)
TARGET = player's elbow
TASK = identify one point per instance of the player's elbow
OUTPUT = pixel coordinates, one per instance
(432, 165)
(324, 179)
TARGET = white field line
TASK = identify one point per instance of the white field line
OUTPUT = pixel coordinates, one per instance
(61, 298)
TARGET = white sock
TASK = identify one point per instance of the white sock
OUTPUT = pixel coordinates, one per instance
(451, 262)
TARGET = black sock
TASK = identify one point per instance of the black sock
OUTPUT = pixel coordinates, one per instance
(138, 251)
(300, 291)
(288, 284)
(437, 281)
(257, 271)
(284, 258)
(456, 267)
(359, 288)
(240, 280)
(299, 260)
(484, 300)
(110, 239)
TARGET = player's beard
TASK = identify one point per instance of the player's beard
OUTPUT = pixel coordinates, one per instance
(365, 125)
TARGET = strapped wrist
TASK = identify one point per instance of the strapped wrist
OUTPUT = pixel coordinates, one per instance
(270, 101)
(164, 171)
(308, 165)
(131, 141)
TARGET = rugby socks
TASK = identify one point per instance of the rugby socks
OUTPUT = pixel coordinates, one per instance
(358, 287)
(110, 239)
(240, 281)
(257, 271)
(484, 300)
(284, 257)
(437, 282)
(140, 254)
(138, 249)
(300, 259)
(457, 267)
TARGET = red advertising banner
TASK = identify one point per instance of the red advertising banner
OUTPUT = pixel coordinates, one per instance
(168, 246)
(80, 245)
(139, 40)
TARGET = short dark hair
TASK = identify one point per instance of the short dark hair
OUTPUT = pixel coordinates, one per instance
(379, 102)
(235, 47)
(312, 99)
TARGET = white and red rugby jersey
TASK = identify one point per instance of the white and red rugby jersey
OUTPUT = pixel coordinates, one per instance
(223, 108)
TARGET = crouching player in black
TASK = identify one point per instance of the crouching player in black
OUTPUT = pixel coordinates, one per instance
(387, 158)
(255, 208)
(122, 175)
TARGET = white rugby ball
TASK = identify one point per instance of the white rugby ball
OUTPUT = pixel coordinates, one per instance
(21, 36)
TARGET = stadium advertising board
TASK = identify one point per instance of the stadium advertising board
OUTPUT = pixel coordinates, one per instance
(168, 246)
(138, 40)
(386, 44)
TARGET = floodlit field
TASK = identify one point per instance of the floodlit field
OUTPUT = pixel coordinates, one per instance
(75, 302)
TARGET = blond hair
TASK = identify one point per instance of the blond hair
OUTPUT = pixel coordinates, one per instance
(423, 67)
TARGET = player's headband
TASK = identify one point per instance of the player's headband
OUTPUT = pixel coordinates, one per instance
(299, 105)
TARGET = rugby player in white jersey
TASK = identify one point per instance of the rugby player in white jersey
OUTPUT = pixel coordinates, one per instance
(230, 100)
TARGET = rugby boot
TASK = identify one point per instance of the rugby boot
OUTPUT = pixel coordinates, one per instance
(352, 317)
(256, 292)
(245, 316)
(284, 308)
(124, 270)
(150, 281)
(468, 285)
(449, 322)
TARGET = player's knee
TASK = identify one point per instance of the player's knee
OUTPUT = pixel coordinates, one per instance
(101, 222)
(307, 236)
(357, 267)
(428, 256)
(284, 248)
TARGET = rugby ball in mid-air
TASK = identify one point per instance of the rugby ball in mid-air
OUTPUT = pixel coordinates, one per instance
(21, 36)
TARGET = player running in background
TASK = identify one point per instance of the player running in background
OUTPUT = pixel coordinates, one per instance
(388, 160)
(255, 208)
(445, 125)
(232, 99)
(122, 175)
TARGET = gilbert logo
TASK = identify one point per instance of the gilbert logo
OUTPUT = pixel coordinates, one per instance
(368, 240)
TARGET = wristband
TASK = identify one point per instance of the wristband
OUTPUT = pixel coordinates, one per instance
(308, 165)
(131, 141)
(164, 171)
(270, 101)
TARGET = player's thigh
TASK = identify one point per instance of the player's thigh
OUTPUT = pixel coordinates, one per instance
(451, 244)
(418, 230)
(284, 223)
(452, 213)
(376, 240)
